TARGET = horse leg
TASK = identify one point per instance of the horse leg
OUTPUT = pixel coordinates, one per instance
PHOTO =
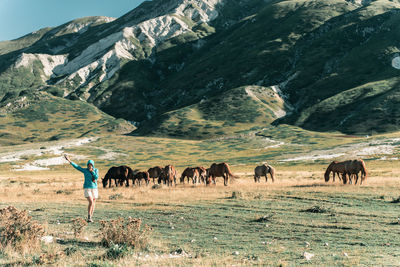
(344, 178)
(266, 178)
(356, 178)
(333, 180)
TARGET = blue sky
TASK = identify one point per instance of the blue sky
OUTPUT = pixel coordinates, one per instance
(20, 17)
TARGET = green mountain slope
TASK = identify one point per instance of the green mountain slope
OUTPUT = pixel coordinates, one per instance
(38, 116)
(209, 68)
(234, 111)
(317, 52)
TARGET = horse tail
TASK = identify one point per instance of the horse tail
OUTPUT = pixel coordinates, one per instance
(228, 171)
(271, 171)
(363, 170)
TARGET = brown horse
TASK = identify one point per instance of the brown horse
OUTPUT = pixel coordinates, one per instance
(347, 168)
(353, 167)
(192, 173)
(120, 175)
(202, 174)
(263, 170)
(170, 175)
(218, 170)
(155, 173)
(335, 167)
(142, 176)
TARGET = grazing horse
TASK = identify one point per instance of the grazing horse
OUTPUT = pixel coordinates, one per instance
(130, 176)
(142, 176)
(161, 178)
(169, 175)
(192, 173)
(347, 168)
(335, 167)
(155, 173)
(353, 167)
(218, 170)
(202, 174)
(120, 173)
(263, 170)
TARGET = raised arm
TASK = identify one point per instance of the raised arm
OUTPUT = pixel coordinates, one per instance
(76, 166)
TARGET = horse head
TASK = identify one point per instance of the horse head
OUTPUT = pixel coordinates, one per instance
(104, 181)
(327, 172)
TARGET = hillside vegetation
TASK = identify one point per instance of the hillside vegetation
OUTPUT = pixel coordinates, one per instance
(38, 117)
(178, 68)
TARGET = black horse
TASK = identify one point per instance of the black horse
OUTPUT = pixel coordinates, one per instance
(138, 176)
(120, 175)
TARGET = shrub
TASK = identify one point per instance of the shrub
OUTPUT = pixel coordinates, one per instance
(70, 250)
(47, 258)
(66, 192)
(317, 209)
(99, 264)
(116, 251)
(18, 230)
(237, 195)
(156, 186)
(125, 232)
(116, 196)
(78, 225)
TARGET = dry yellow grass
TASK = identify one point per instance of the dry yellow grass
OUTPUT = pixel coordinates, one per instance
(66, 186)
(60, 192)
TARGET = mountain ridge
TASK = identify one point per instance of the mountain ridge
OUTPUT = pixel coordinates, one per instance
(165, 56)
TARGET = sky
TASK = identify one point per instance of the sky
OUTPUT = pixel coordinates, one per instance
(20, 17)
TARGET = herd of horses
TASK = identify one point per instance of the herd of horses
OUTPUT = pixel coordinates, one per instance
(168, 175)
(346, 171)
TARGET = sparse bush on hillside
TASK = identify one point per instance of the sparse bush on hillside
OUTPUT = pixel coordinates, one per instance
(236, 195)
(127, 232)
(117, 251)
(18, 230)
(78, 225)
(48, 258)
(116, 196)
(317, 209)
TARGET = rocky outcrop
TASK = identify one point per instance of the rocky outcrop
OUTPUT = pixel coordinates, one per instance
(103, 58)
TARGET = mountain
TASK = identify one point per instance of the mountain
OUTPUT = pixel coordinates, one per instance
(203, 68)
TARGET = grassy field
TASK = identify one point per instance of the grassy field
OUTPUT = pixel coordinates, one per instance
(242, 224)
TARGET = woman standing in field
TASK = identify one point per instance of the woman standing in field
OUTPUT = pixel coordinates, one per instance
(90, 185)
